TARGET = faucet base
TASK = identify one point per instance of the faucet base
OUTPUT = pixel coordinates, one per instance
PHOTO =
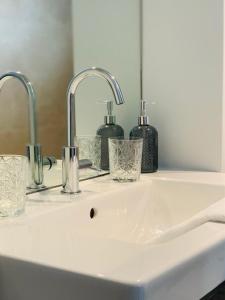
(70, 170)
(36, 187)
(35, 169)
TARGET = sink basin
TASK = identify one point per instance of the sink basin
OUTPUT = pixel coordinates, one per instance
(146, 210)
(107, 242)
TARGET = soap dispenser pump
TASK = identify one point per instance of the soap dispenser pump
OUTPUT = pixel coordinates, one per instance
(109, 119)
(150, 140)
(109, 129)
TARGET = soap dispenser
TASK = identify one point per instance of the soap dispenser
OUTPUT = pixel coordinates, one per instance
(109, 129)
(150, 141)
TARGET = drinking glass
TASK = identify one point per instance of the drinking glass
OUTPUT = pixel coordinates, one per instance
(125, 158)
(13, 177)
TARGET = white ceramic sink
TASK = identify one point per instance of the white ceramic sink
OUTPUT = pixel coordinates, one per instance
(146, 210)
(134, 241)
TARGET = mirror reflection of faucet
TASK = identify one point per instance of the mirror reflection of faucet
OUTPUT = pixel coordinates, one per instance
(50, 161)
(33, 150)
(70, 166)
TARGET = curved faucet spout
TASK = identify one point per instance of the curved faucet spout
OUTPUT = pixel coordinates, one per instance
(70, 174)
(32, 100)
(91, 72)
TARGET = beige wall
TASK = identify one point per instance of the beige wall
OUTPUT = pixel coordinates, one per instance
(35, 38)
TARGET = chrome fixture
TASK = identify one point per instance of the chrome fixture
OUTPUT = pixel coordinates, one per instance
(33, 149)
(70, 176)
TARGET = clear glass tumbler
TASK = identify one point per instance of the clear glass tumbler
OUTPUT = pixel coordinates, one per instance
(13, 177)
(125, 159)
(90, 148)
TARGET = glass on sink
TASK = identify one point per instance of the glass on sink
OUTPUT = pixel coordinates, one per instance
(125, 158)
(13, 179)
(89, 151)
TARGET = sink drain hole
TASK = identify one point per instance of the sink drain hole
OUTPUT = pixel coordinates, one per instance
(93, 213)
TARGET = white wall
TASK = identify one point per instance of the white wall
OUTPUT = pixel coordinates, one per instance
(183, 74)
(106, 34)
(223, 108)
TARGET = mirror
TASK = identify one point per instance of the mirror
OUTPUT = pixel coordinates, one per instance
(51, 40)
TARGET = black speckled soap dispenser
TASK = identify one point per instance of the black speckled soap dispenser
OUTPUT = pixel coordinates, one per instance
(109, 129)
(150, 141)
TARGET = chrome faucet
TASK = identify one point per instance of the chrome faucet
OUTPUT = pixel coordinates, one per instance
(33, 149)
(70, 175)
